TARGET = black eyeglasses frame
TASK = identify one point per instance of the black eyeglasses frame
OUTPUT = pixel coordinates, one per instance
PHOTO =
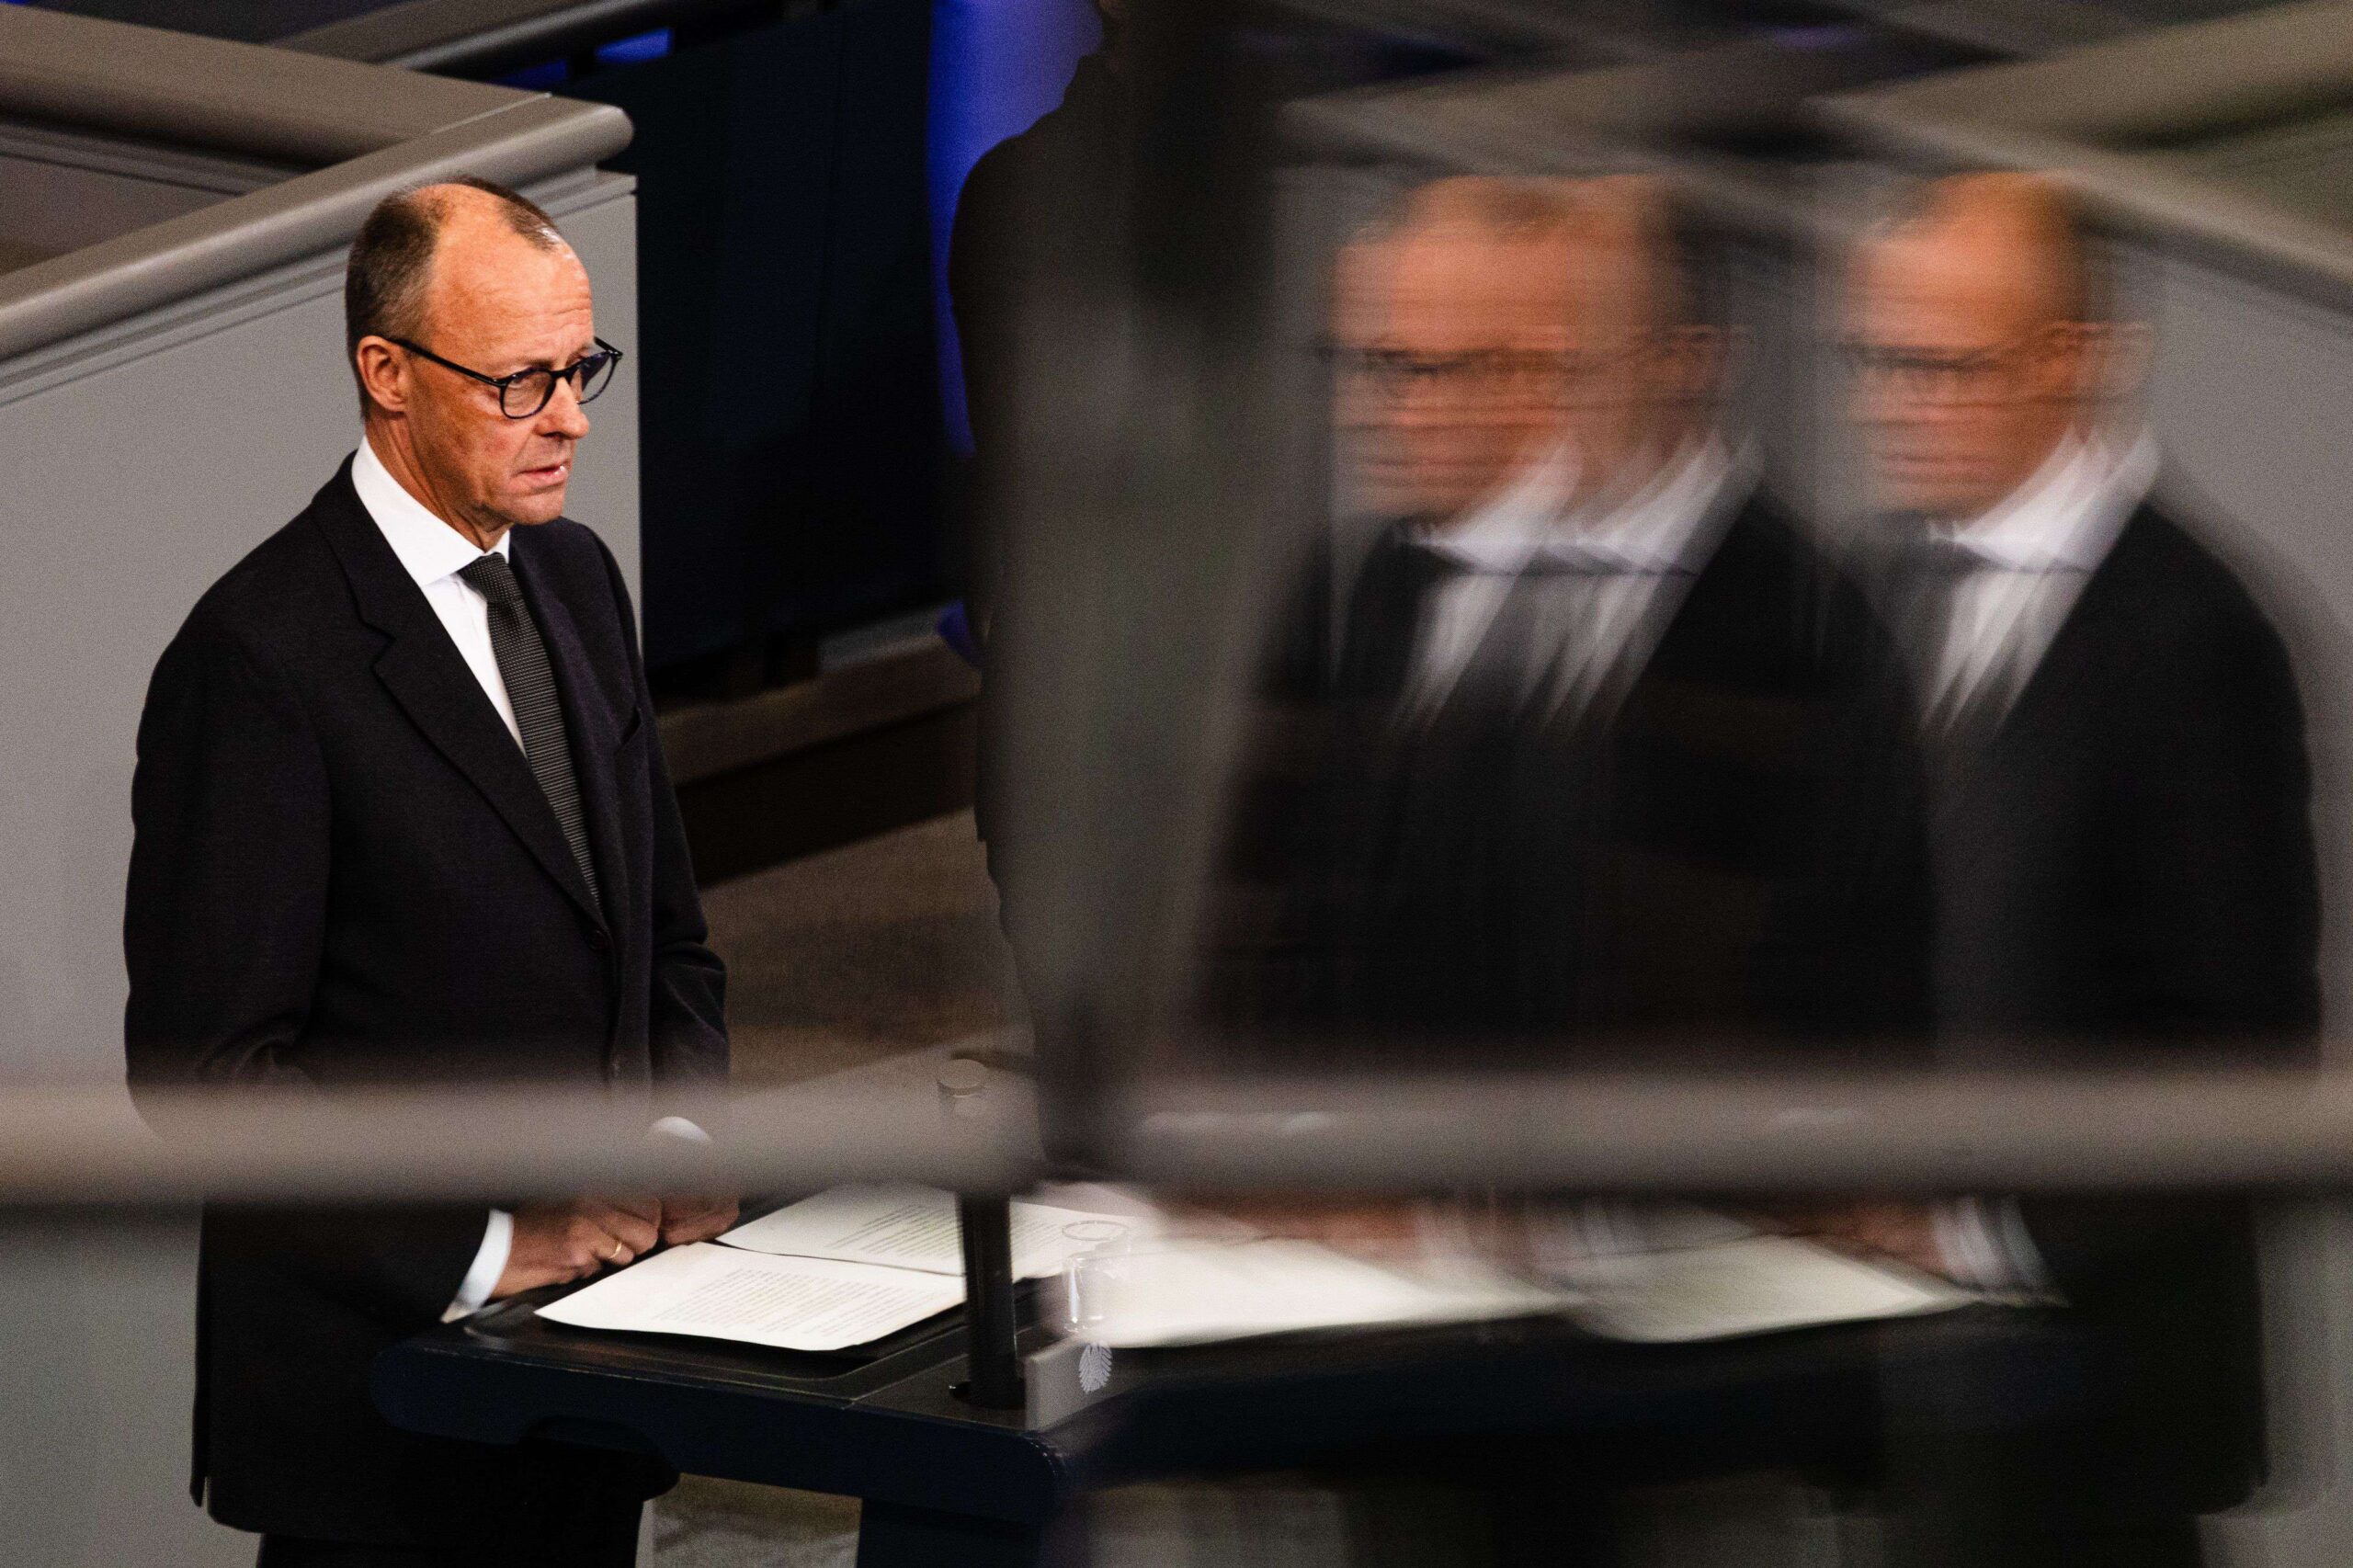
(580, 371)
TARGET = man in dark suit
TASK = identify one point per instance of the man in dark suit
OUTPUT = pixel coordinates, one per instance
(402, 818)
(2122, 857)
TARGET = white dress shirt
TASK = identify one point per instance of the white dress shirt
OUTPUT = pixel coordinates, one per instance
(1600, 622)
(434, 553)
(1641, 553)
(1493, 541)
(2035, 550)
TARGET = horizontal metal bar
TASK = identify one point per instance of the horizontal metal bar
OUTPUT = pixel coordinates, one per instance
(378, 131)
(66, 1147)
(481, 36)
(2107, 117)
(2260, 1129)
(527, 140)
(181, 90)
(2160, 84)
(2256, 1131)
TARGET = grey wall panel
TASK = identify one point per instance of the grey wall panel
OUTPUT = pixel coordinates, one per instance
(95, 1392)
(141, 462)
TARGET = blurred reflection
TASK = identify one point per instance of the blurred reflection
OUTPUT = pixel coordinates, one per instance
(1591, 755)
(2121, 854)
(1599, 745)
(1591, 750)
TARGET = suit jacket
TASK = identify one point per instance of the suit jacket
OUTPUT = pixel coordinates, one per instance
(2127, 857)
(342, 873)
(1727, 852)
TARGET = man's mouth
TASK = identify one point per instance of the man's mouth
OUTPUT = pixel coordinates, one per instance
(548, 473)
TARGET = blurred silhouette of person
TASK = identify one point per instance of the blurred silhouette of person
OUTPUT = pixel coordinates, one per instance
(1042, 214)
(1605, 754)
(2121, 846)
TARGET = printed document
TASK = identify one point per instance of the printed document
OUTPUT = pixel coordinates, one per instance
(1195, 1293)
(855, 1264)
(843, 1268)
(904, 1226)
(792, 1303)
(1754, 1284)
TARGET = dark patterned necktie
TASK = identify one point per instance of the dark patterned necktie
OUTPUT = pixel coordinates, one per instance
(531, 691)
(1955, 724)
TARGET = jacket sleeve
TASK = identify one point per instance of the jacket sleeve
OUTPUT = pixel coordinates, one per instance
(2218, 843)
(227, 896)
(222, 930)
(687, 1026)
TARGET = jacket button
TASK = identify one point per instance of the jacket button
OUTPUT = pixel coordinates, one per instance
(598, 941)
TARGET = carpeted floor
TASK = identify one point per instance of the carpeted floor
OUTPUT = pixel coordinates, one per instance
(862, 952)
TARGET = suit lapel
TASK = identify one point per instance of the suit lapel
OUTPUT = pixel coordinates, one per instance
(2074, 670)
(588, 717)
(424, 672)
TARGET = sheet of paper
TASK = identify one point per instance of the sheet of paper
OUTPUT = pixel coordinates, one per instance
(1751, 1286)
(1191, 1294)
(792, 1303)
(904, 1226)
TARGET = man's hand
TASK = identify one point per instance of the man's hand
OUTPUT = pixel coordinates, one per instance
(696, 1218)
(558, 1242)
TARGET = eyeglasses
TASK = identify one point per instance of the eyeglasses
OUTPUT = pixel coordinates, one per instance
(526, 392)
(1941, 381)
(1397, 374)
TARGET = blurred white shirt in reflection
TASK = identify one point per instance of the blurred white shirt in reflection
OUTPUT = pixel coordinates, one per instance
(1606, 576)
(2034, 551)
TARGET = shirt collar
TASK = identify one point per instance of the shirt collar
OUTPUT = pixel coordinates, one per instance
(2069, 511)
(428, 547)
(1503, 532)
(1658, 527)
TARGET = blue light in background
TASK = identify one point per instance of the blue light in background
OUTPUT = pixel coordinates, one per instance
(633, 50)
(996, 65)
(544, 78)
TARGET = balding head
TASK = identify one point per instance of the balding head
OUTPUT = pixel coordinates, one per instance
(2014, 244)
(1979, 325)
(386, 285)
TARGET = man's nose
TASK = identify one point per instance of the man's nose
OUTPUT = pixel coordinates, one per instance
(563, 415)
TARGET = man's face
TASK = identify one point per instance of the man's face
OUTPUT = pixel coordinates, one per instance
(498, 304)
(1964, 382)
(1452, 345)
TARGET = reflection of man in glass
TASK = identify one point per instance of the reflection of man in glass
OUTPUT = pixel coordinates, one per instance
(1524, 830)
(1603, 759)
(2120, 844)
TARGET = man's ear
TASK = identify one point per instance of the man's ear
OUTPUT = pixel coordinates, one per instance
(383, 372)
